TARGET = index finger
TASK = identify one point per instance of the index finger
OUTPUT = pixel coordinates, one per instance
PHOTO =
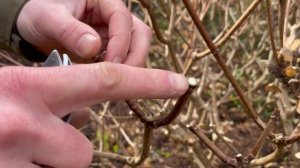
(119, 20)
(65, 89)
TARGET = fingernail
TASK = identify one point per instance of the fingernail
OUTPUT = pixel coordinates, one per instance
(85, 44)
(178, 82)
(116, 60)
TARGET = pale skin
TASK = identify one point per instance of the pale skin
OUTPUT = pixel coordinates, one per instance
(34, 99)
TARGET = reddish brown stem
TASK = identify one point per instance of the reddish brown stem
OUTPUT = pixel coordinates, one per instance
(219, 153)
(143, 116)
(270, 29)
(176, 110)
(282, 5)
(265, 133)
(292, 139)
(222, 63)
(149, 118)
(137, 160)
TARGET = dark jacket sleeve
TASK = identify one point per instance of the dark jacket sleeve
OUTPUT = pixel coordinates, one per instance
(9, 12)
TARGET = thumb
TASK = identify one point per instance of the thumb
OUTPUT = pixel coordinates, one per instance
(53, 25)
(74, 35)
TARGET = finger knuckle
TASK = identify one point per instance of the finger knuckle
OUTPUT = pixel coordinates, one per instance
(154, 80)
(126, 15)
(14, 79)
(16, 126)
(67, 29)
(108, 75)
(148, 31)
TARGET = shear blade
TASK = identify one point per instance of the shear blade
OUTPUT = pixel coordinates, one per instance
(53, 60)
(66, 60)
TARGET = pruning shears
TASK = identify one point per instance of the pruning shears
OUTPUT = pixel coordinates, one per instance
(54, 59)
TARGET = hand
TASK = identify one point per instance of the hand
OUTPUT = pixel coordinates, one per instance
(31, 131)
(85, 28)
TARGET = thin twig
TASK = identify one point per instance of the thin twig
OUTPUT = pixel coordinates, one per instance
(203, 77)
(292, 139)
(286, 16)
(267, 159)
(282, 5)
(189, 113)
(230, 146)
(10, 59)
(265, 133)
(112, 156)
(214, 108)
(219, 153)
(202, 156)
(270, 29)
(132, 161)
(137, 160)
(2, 65)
